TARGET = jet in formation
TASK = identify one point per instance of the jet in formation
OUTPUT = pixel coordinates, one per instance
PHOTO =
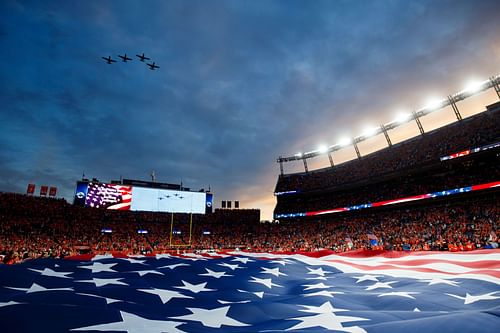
(109, 60)
(153, 66)
(125, 58)
(142, 57)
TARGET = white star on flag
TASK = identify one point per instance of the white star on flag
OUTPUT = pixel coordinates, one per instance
(174, 266)
(469, 299)
(135, 324)
(164, 294)
(326, 318)
(325, 293)
(320, 285)
(195, 288)
(243, 260)
(232, 302)
(211, 318)
(441, 281)
(407, 294)
(2, 304)
(50, 272)
(134, 261)
(273, 271)
(367, 277)
(318, 271)
(214, 274)
(232, 267)
(266, 282)
(149, 271)
(104, 282)
(35, 288)
(281, 262)
(108, 300)
(98, 267)
(380, 285)
(259, 294)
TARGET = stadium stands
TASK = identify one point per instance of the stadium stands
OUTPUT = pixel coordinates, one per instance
(410, 168)
(41, 227)
(33, 227)
(475, 131)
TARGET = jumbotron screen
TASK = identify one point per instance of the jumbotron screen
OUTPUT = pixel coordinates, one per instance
(124, 197)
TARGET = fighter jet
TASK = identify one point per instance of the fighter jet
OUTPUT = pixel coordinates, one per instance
(109, 60)
(125, 58)
(142, 57)
(153, 66)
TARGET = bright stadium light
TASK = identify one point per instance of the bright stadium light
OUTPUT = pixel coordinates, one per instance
(402, 117)
(344, 141)
(433, 103)
(369, 131)
(323, 149)
(298, 155)
(473, 87)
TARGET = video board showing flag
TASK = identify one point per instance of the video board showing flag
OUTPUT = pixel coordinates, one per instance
(109, 196)
(122, 197)
(255, 292)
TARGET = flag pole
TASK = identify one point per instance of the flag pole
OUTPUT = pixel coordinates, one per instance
(171, 228)
(190, 227)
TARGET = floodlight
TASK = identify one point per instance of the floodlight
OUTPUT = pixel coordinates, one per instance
(369, 131)
(473, 86)
(344, 141)
(323, 149)
(298, 155)
(402, 117)
(434, 104)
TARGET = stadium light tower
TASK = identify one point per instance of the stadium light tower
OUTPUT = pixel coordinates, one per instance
(280, 161)
(495, 82)
(387, 137)
(453, 104)
(419, 124)
(305, 165)
(355, 144)
(331, 159)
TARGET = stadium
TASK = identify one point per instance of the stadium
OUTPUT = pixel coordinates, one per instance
(400, 235)
(435, 192)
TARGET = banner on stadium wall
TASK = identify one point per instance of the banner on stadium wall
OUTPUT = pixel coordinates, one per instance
(43, 190)
(394, 201)
(31, 189)
(80, 193)
(52, 191)
(209, 203)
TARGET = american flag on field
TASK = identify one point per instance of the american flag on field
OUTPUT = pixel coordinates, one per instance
(245, 292)
(109, 196)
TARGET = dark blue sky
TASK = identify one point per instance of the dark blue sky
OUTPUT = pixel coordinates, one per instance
(240, 83)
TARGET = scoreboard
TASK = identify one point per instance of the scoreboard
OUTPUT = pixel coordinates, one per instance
(126, 197)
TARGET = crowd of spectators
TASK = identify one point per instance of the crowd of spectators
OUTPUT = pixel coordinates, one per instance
(474, 169)
(33, 227)
(475, 131)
